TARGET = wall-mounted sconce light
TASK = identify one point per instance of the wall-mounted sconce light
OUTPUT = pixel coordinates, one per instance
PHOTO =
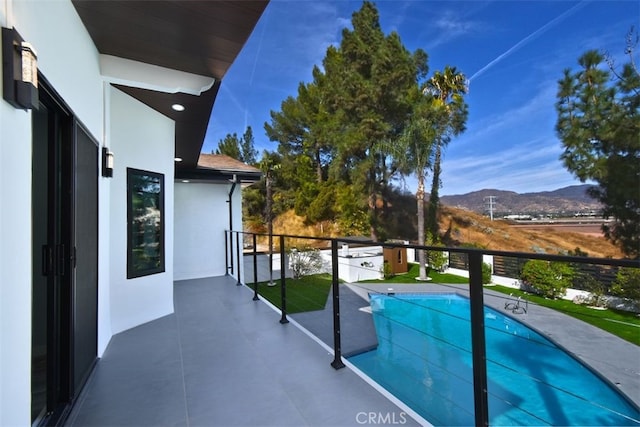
(19, 71)
(107, 163)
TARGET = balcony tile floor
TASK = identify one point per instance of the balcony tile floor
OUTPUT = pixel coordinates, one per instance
(223, 359)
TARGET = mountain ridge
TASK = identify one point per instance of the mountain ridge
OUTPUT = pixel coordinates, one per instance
(571, 200)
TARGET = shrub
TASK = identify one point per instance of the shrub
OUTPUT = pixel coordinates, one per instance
(547, 278)
(596, 288)
(486, 273)
(577, 252)
(385, 270)
(305, 262)
(436, 260)
(627, 283)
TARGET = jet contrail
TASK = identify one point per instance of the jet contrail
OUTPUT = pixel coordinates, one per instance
(522, 42)
(255, 61)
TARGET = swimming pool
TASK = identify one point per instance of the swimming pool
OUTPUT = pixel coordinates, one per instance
(424, 358)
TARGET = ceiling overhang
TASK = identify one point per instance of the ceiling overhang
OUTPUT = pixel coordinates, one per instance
(126, 72)
(191, 124)
(165, 52)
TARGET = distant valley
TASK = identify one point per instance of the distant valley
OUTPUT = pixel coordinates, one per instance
(567, 201)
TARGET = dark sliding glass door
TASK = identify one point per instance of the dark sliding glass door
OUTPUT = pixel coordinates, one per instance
(64, 294)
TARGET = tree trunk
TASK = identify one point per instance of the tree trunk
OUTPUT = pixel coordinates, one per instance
(318, 167)
(373, 216)
(420, 201)
(373, 206)
(269, 214)
(434, 198)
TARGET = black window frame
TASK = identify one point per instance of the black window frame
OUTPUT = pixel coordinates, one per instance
(133, 270)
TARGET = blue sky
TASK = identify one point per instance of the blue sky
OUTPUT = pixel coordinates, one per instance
(513, 52)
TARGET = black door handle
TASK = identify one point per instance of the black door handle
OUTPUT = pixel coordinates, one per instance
(60, 260)
(47, 260)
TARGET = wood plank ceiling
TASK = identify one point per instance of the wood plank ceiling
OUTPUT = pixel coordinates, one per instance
(199, 37)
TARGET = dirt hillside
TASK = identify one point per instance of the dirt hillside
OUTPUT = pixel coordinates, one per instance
(463, 227)
(459, 227)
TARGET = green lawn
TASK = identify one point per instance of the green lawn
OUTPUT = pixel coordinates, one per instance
(624, 324)
(305, 294)
(414, 271)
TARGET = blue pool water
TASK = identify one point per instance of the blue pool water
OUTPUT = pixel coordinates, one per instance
(424, 359)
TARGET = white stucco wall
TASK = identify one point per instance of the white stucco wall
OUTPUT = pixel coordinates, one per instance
(15, 266)
(141, 138)
(201, 217)
(68, 59)
(262, 264)
(104, 241)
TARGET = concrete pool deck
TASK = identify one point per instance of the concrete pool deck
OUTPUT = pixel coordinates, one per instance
(613, 358)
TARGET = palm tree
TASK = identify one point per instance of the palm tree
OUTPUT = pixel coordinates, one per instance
(267, 165)
(446, 90)
(413, 152)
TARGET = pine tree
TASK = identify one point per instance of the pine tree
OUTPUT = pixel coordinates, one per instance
(599, 123)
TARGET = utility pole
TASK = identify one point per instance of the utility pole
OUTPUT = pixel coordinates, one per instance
(489, 202)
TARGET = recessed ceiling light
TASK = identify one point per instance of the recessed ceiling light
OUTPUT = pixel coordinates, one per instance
(177, 107)
(186, 181)
(177, 159)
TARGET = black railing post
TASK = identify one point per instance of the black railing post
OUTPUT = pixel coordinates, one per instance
(232, 264)
(226, 253)
(337, 349)
(255, 270)
(478, 347)
(283, 319)
(238, 256)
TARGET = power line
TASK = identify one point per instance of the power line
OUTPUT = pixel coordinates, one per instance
(490, 203)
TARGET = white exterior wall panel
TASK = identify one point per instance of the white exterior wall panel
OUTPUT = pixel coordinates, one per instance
(141, 138)
(15, 266)
(68, 59)
(202, 216)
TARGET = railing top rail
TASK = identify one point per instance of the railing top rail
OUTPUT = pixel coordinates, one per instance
(523, 255)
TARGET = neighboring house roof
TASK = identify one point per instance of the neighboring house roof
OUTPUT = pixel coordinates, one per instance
(218, 167)
(198, 37)
(225, 163)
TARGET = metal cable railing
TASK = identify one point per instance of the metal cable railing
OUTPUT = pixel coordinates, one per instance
(476, 347)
